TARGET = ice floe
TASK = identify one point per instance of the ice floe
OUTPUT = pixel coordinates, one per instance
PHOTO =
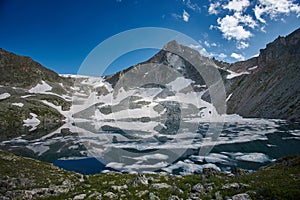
(189, 167)
(250, 157)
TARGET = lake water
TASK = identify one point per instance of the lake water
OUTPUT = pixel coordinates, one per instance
(91, 147)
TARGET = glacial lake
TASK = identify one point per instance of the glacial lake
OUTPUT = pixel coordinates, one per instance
(92, 147)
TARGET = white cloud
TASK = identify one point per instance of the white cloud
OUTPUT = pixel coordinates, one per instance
(232, 28)
(247, 20)
(242, 45)
(210, 44)
(206, 43)
(274, 8)
(258, 11)
(237, 56)
(222, 55)
(237, 5)
(211, 27)
(213, 8)
(263, 29)
(201, 50)
(185, 16)
(176, 16)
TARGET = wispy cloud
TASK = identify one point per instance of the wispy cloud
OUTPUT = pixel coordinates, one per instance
(192, 6)
(242, 45)
(176, 16)
(206, 43)
(222, 55)
(185, 16)
(201, 50)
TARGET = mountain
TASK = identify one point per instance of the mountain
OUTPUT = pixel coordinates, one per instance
(271, 89)
(29, 96)
(176, 84)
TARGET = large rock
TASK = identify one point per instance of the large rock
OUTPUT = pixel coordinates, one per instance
(242, 196)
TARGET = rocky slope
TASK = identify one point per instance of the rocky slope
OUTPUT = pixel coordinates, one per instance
(29, 94)
(31, 179)
(271, 90)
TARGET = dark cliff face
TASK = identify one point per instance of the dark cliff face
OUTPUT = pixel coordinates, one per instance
(282, 46)
(273, 89)
(279, 48)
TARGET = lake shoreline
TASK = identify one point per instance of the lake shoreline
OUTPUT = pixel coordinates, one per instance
(32, 179)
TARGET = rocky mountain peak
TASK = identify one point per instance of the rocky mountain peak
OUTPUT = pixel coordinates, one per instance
(171, 44)
(22, 71)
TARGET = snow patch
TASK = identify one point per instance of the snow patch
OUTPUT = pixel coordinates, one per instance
(41, 88)
(18, 104)
(229, 96)
(33, 122)
(233, 74)
(4, 96)
(252, 68)
(189, 167)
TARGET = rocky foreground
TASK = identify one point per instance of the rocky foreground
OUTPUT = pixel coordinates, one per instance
(25, 178)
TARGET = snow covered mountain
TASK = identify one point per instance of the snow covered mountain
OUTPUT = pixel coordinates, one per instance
(164, 90)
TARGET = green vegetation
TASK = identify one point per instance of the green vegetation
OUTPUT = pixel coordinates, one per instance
(11, 118)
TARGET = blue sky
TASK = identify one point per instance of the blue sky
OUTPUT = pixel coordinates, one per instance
(60, 34)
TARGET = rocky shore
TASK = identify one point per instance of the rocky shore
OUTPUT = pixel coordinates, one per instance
(25, 178)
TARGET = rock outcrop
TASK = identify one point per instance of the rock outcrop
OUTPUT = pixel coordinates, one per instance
(272, 89)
